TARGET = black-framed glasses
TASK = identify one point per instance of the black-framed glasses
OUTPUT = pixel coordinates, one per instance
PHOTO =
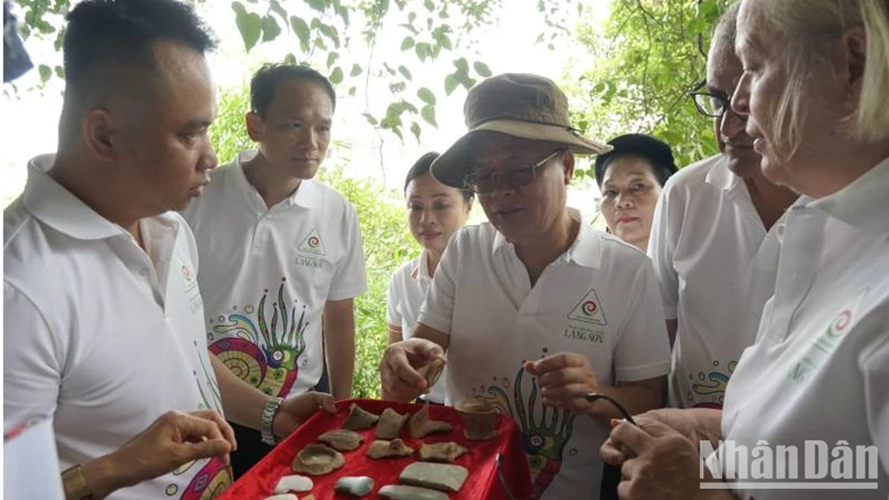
(595, 396)
(712, 104)
(514, 178)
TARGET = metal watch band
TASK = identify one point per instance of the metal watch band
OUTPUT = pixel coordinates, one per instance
(75, 485)
(265, 425)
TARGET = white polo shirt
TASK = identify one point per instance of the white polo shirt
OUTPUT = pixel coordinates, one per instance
(266, 275)
(598, 299)
(100, 334)
(406, 294)
(716, 264)
(820, 367)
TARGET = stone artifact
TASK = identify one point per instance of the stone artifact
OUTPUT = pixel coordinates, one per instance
(317, 460)
(432, 371)
(444, 477)
(420, 425)
(441, 452)
(479, 419)
(385, 449)
(357, 486)
(402, 492)
(342, 439)
(294, 483)
(390, 424)
(360, 419)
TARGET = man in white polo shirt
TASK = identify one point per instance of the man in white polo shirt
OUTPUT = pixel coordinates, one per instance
(103, 319)
(535, 309)
(280, 253)
(713, 242)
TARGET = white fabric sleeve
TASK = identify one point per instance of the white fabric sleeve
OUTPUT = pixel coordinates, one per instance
(875, 369)
(643, 349)
(438, 309)
(393, 315)
(660, 249)
(33, 360)
(350, 278)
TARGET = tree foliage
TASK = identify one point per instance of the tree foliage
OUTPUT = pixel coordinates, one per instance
(646, 58)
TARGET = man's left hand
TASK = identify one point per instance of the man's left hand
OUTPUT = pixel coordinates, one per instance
(565, 379)
(297, 409)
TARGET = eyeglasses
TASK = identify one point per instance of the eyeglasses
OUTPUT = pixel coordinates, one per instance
(513, 178)
(712, 104)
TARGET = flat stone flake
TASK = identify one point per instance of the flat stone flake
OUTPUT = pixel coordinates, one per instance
(294, 482)
(317, 460)
(360, 419)
(443, 477)
(420, 425)
(385, 449)
(342, 439)
(403, 492)
(441, 452)
(357, 486)
(390, 424)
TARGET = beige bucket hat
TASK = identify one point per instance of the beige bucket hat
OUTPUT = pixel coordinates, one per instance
(517, 104)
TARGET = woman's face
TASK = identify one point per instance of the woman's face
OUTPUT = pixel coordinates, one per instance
(758, 95)
(630, 190)
(435, 212)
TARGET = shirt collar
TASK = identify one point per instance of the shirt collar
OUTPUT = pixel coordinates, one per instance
(421, 270)
(864, 203)
(586, 250)
(721, 177)
(306, 195)
(55, 206)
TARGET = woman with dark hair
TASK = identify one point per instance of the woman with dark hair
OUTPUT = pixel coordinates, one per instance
(435, 212)
(631, 178)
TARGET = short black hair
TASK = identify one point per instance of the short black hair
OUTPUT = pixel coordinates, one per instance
(421, 166)
(657, 152)
(123, 32)
(265, 81)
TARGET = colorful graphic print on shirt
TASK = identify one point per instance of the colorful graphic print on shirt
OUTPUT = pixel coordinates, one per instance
(718, 382)
(262, 345)
(545, 437)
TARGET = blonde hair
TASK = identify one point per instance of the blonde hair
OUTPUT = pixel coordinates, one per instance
(807, 25)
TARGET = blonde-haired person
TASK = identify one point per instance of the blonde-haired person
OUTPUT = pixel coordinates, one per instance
(815, 87)
(435, 212)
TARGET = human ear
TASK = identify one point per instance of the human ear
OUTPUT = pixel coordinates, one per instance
(255, 126)
(100, 133)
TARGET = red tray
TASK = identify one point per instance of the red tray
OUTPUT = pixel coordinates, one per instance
(481, 460)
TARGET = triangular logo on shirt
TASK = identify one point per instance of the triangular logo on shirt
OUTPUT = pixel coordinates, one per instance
(312, 243)
(589, 310)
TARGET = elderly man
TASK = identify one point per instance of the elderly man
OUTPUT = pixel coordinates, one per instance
(535, 309)
(714, 243)
(104, 325)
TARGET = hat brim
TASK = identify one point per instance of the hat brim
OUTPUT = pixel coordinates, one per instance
(451, 167)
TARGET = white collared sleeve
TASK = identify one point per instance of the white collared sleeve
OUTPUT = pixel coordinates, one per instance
(438, 310)
(33, 360)
(661, 247)
(350, 278)
(643, 349)
(875, 368)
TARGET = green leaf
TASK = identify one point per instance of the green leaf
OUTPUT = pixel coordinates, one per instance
(415, 129)
(275, 6)
(430, 6)
(270, 29)
(445, 41)
(290, 58)
(331, 58)
(318, 5)
(462, 65)
(482, 69)
(302, 32)
(450, 84)
(405, 72)
(356, 70)
(60, 72)
(330, 32)
(428, 114)
(407, 43)
(336, 76)
(45, 73)
(426, 96)
(249, 24)
(423, 50)
(370, 119)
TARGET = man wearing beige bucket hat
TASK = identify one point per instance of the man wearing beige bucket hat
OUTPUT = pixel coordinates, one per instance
(535, 309)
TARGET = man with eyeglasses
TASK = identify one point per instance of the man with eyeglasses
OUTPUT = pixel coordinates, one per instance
(714, 242)
(535, 309)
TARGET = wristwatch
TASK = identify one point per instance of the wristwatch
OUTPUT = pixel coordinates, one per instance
(75, 485)
(265, 424)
